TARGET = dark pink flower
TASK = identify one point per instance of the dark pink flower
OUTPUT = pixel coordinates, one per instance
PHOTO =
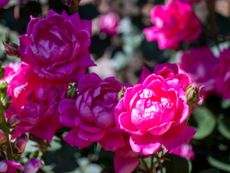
(199, 63)
(57, 46)
(32, 166)
(174, 23)
(109, 23)
(8, 166)
(91, 115)
(184, 151)
(34, 102)
(125, 160)
(222, 74)
(3, 3)
(153, 112)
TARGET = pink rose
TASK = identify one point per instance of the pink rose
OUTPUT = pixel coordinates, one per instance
(109, 23)
(174, 23)
(184, 151)
(57, 46)
(199, 63)
(222, 74)
(91, 115)
(154, 112)
(34, 102)
(3, 3)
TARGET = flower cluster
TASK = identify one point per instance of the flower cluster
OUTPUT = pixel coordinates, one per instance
(52, 55)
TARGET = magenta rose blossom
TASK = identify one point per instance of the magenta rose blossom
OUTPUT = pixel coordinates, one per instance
(199, 63)
(8, 166)
(109, 23)
(34, 104)
(57, 46)
(154, 112)
(174, 23)
(3, 3)
(184, 151)
(91, 115)
(222, 74)
(32, 166)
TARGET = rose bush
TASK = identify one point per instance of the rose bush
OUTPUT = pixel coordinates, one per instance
(154, 112)
(55, 51)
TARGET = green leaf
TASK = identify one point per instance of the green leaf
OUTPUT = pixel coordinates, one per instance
(219, 163)
(206, 123)
(176, 164)
(224, 126)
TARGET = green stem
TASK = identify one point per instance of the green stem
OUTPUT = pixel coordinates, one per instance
(5, 128)
(160, 164)
(153, 167)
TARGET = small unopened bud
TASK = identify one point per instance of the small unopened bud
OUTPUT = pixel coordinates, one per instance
(3, 87)
(21, 142)
(72, 90)
(11, 49)
(6, 101)
(14, 120)
(3, 137)
(121, 93)
(192, 95)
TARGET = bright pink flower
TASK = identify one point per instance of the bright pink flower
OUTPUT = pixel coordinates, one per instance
(174, 23)
(199, 63)
(91, 115)
(57, 46)
(154, 112)
(184, 151)
(3, 3)
(222, 74)
(8, 166)
(109, 23)
(34, 101)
